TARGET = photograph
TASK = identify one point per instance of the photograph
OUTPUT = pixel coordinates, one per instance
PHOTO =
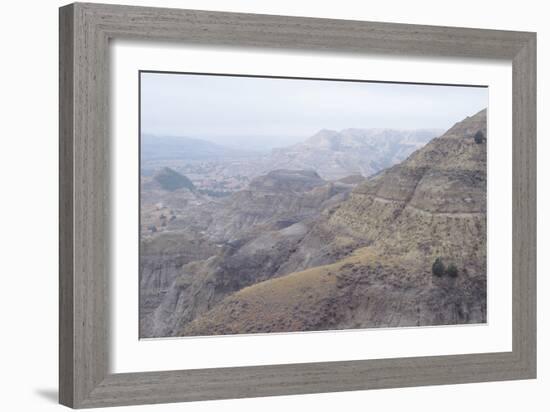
(276, 205)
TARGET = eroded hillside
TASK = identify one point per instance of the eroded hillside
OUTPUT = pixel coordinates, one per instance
(295, 252)
(220, 247)
(398, 223)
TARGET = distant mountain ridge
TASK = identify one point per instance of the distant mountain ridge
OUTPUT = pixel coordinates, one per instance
(337, 154)
(184, 148)
(332, 154)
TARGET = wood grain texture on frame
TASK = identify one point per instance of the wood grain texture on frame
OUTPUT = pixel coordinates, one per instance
(85, 31)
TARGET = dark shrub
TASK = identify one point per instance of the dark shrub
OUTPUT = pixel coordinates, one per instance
(479, 137)
(452, 270)
(171, 180)
(438, 268)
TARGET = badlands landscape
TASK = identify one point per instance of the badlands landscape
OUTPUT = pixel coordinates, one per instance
(359, 228)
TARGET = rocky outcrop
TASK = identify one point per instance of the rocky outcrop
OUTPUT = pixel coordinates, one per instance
(162, 258)
(435, 201)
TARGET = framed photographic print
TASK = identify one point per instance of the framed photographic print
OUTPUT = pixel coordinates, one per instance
(257, 205)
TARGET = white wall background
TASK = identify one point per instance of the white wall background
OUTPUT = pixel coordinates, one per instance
(28, 234)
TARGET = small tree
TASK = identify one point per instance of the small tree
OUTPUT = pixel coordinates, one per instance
(452, 270)
(479, 137)
(438, 268)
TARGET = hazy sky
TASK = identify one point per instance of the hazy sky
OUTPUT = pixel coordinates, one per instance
(234, 109)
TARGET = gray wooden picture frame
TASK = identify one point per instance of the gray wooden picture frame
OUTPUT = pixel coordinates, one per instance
(85, 31)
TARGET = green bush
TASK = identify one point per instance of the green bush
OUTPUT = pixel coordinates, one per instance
(171, 180)
(452, 270)
(438, 268)
(479, 137)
